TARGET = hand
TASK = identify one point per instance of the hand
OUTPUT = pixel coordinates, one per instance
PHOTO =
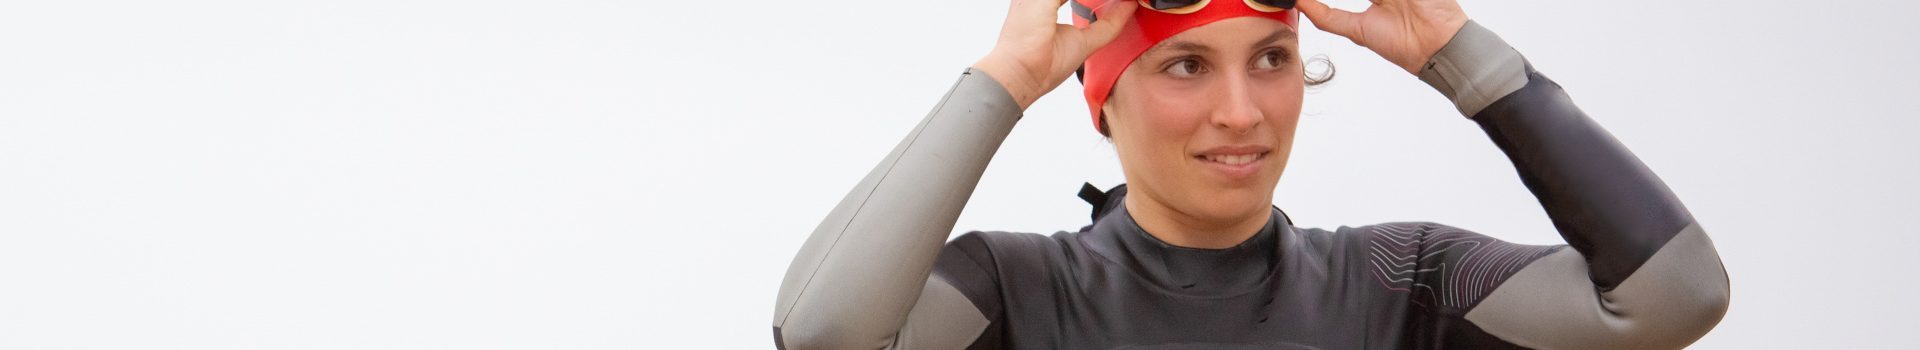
(1036, 53)
(1405, 32)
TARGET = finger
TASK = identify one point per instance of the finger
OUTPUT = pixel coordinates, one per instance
(1033, 11)
(1112, 19)
(1333, 20)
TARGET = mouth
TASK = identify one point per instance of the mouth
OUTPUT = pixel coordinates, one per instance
(1232, 159)
(1234, 162)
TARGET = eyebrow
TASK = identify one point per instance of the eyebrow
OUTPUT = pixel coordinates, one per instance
(1188, 46)
(1277, 36)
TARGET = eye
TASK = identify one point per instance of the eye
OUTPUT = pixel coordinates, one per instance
(1272, 59)
(1185, 67)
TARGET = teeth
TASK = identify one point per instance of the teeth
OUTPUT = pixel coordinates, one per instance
(1233, 159)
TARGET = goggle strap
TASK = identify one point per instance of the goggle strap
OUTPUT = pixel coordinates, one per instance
(1083, 11)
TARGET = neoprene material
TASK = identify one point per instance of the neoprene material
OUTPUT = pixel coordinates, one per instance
(1639, 272)
(866, 265)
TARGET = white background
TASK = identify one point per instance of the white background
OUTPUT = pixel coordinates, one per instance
(637, 174)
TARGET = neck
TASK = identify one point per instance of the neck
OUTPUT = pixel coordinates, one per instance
(1185, 230)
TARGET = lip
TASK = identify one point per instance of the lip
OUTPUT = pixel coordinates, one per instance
(1230, 162)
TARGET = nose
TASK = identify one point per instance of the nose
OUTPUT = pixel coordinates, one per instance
(1235, 110)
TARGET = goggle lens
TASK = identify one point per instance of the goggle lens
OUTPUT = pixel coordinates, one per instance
(1182, 6)
(1175, 6)
(1270, 5)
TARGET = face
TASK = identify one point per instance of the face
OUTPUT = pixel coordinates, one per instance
(1204, 121)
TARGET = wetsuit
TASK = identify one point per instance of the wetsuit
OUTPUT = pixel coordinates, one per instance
(1637, 271)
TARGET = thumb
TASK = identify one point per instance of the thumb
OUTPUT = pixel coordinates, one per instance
(1333, 20)
(1112, 19)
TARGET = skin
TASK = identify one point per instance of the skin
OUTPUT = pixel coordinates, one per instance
(1232, 83)
(1228, 88)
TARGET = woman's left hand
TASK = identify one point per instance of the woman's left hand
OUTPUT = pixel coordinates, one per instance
(1405, 32)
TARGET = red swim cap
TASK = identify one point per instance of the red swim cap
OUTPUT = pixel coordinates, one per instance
(1147, 29)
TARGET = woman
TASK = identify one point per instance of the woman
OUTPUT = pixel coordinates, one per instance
(1200, 99)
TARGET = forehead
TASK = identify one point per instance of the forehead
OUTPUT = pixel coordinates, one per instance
(1233, 33)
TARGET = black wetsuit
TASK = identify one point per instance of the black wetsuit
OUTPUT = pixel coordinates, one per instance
(1638, 271)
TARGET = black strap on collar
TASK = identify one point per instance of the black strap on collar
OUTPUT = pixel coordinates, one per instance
(1103, 201)
(1094, 197)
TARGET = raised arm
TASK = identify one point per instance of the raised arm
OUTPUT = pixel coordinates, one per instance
(866, 266)
(861, 281)
(1642, 274)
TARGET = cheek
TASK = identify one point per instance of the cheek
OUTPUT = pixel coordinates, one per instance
(1172, 115)
(1151, 131)
(1281, 105)
(1169, 111)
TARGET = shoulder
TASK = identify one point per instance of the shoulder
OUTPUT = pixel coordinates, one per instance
(982, 263)
(1399, 228)
(1412, 234)
(1444, 266)
(1001, 240)
(997, 250)
(1390, 236)
(991, 248)
(1418, 241)
(1393, 244)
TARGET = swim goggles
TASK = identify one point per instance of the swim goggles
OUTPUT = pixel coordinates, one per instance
(1179, 7)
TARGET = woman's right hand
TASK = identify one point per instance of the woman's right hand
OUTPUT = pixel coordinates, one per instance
(1035, 52)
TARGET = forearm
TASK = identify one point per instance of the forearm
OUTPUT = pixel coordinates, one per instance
(1642, 274)
(1605, 202)
(860, 272)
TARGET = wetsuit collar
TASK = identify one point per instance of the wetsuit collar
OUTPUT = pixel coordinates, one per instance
(1183, 270)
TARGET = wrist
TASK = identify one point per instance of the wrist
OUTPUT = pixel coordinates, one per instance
(1433, 43)
(1004, 73)
(1474, 69)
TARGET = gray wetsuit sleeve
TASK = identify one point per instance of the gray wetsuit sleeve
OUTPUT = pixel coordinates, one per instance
(861, 280)
(1642, 274)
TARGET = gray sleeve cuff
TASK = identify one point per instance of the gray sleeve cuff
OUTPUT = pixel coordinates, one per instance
(1475, 69)
(975, 82)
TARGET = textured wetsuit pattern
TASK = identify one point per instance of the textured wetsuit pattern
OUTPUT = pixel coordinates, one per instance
(1111, 285)
(1443, 266)
(1641, 274)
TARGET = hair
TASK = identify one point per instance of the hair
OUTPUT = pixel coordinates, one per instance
(1314, 79)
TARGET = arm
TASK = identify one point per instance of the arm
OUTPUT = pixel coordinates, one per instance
(861, 280)
(1642, 273)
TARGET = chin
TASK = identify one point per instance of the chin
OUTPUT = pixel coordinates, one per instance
(1234, 203)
